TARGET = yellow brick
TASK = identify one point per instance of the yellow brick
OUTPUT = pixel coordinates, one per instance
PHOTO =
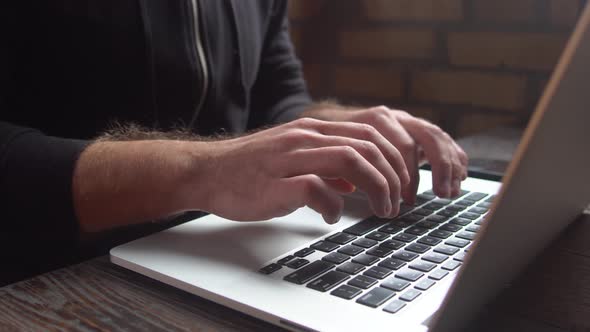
(387, 43)
(371, 82)
(504, 10)
(564, 12)
(419, 10)
(535, 51)
(498, 91)
(475, 123)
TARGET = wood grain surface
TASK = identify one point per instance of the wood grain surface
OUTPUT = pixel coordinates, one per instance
(552, 295)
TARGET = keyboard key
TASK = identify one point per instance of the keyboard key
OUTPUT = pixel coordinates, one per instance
(390, 229)
(467, 235)
(308, 272)
(410, 275)
(440, 233)
(362, 281)
(422, 212)
(438, 274)
(404, 237)
(478, 210)
(484, 205)
(460, 221)
(405, 255)
(351, 250)
(351, 268)
(410, 295)
(376, 297)
(341, 238)
(346, 292)
(451, 265)
(446, 213)
(480, 221)
(473, 228)
(336, 258)
(456, 242)
(426, 196)
(450, 227)
(365, 243)
(445, 249)
(395, 284)
(392, 244)
(435, 258)
(443, 201)
(328, 281)
(411, 217)
(364, 227)
(460, 256)
(304, 252)
(463, 192)
(297, 263)
(394, 306)
(365, 259)
(469, 215)
(378, 236)
(465, 203)
(270, 268)
(415, 230)
(285, 260)
(378, 272)
(419, 248)
(422, 266)
(403, 223)
(433, 206)
(392, 263)
(379, 251)
(325, 246)
(438, 219)
(427, 224)
(405, 208)
(490, 199)
(475, 196)
(456, 208)
(429, 240)
(424, 284)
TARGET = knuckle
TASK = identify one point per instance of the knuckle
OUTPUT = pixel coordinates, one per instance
(367, 131)
(305, 123)
(369, 150)
(349, 156)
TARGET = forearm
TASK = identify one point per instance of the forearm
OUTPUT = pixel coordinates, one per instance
(121, 183)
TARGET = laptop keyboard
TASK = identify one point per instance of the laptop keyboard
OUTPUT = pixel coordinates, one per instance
(389, 263)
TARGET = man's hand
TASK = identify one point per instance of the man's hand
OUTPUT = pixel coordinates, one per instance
(306, 162)
(416, 139)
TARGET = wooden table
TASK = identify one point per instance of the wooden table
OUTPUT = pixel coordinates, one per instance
(553, 294)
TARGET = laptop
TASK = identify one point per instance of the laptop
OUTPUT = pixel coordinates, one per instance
(429, 269)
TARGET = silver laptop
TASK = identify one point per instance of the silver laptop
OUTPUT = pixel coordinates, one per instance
(432, 268)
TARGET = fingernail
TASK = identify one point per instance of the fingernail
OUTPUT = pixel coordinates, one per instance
(335, 219)
(388, 207)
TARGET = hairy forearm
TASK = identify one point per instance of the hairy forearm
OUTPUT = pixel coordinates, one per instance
(118, 183)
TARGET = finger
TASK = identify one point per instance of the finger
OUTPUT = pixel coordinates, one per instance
(369, 152)
(464, 158)
(437, 150)
(346, 163)
(310, 190)
(340, 185)
(395, 133)
(367, 132)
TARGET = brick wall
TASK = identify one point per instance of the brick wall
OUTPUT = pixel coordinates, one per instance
(467, 65)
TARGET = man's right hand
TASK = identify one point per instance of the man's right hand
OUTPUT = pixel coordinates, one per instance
(309, 162)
